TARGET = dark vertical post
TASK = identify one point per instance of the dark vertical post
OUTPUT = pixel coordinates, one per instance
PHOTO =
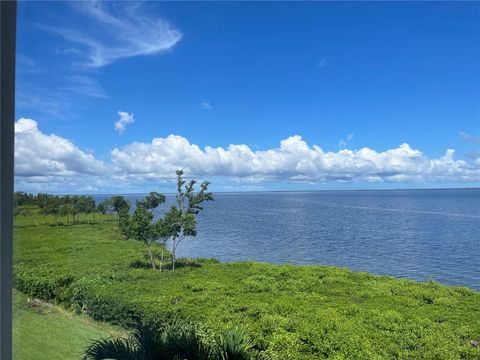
(8, 14)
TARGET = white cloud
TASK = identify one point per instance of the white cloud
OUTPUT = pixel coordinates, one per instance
(86, 85)
(24, 60)
(126, 30)
(468, 137)
(38, 155)
(48, 162)
(473, 154)
(343, 143)
(322, 63)
(293, 161)
(207, 105)
(125, 119)
(31, 97)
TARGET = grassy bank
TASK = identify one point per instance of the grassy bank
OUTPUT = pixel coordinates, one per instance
(291, 312)
(43, 331)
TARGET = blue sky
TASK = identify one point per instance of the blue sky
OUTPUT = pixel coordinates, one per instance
(339, 75)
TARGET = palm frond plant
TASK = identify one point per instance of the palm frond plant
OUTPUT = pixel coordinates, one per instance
(175, 341)
(234, 345)
(146, 342)
(179, 340)
(124, 349)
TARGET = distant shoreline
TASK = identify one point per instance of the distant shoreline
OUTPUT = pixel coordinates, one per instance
(286, 191)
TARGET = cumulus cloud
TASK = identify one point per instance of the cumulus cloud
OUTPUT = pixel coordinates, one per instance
(125, 119)
(127, 30)
(293, 161)
(48, 162)
(38, 155)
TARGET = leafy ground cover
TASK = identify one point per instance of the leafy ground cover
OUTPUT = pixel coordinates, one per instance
(290, 312)
(43, 331)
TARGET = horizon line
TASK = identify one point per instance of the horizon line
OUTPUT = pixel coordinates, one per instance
(274, 191)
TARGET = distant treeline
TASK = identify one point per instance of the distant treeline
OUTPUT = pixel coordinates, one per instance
(141, 224)
(67, 205)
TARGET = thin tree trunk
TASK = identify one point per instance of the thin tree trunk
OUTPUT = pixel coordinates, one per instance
(151, 257)
(174, 248)
(161, 262)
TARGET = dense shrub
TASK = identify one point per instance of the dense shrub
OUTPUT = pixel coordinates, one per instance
(172, 341)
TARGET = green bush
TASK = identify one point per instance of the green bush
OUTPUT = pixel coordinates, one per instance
(172, 341)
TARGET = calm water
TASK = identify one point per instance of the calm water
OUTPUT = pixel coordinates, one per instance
(413, 234)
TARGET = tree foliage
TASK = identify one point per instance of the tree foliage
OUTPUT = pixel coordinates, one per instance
(119, 203)
(140, 224)
(180, 222)
(177, 224)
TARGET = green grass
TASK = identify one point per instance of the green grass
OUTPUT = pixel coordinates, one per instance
(291, 312)
(47, 332)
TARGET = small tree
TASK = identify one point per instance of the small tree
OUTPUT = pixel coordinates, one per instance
(64, 210)
(106, 207)
(52, 208)
(140, 225)
(119, 205)
(101, 208)
(151, 201)
(87, 205)
(176, 225)
(28, 214)
(180, 221)
(74, 209)
(24, 199)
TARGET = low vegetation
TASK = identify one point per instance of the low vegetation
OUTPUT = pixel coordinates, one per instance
(173, 341)
(289, 312)
(43, 331)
